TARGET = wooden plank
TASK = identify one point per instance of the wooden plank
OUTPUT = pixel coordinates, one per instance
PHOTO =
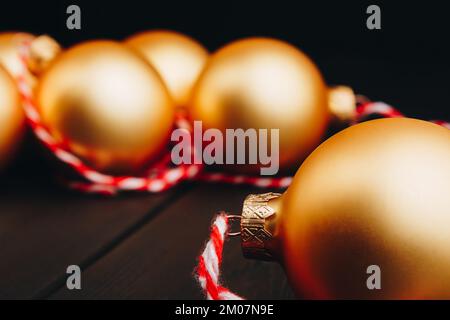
(44, 229)
(157, 262)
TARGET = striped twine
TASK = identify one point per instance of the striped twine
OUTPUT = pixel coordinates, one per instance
(209, 262)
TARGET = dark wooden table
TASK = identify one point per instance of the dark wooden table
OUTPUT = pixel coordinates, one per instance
(134, 246)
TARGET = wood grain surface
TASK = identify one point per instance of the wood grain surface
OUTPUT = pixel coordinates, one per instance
(135, 246)
(43, 230)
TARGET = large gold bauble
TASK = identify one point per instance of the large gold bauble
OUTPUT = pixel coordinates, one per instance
(261, 83)
(12, 119)
(108, 104)
(377, 193)
(178, 58)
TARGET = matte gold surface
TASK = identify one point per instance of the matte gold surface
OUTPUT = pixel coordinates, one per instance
(264, 83)
(178, 58)
(108, 104)
(12, 120)
(377, 193)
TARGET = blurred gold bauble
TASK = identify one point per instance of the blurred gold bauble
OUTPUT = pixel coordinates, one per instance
(264, 83)
(108, 104)
(377, 193)
(12, 119)
(179, 60)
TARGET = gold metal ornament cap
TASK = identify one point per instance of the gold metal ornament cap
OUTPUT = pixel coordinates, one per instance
(43, 51)
(258, 227)
(342, 103)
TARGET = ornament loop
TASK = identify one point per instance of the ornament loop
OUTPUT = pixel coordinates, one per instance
(233, 217)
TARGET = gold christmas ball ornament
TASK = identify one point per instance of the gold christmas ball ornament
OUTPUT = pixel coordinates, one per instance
(261, 83)
(366, 217)
(108, 104)
(12, 118)
(178, 58)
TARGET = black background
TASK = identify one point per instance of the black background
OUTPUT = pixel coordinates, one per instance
(405, 63)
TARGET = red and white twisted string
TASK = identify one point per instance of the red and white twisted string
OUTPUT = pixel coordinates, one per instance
(208, 269)
(368, 108)
(163, 177)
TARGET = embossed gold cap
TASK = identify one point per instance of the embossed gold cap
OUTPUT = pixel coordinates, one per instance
(43, 51)
(342, 103)
(258, 226)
